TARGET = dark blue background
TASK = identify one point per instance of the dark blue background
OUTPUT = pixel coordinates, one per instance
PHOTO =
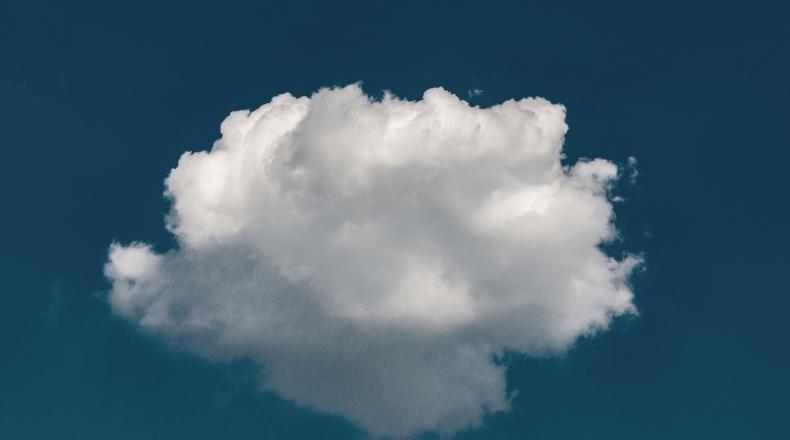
(99, 99)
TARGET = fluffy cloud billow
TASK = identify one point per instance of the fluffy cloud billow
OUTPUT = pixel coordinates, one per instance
(374, 257)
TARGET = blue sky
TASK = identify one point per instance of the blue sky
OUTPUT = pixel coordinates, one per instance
(98, 100)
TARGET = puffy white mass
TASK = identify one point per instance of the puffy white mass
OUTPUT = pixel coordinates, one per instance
(374, 257)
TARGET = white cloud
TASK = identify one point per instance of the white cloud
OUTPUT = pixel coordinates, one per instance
(373, 257)
(633, 173)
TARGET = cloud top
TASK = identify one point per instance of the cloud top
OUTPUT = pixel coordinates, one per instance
(374, 256)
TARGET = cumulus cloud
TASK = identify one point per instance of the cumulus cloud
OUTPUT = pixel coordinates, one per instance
(374, 257)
